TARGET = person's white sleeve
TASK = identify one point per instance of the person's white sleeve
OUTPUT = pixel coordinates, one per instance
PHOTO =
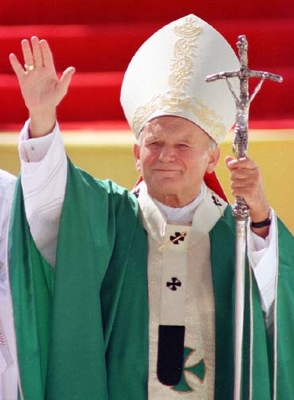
(43, 177)
(263, 258)
(8, 357)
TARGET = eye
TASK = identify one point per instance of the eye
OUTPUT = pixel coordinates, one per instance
(183, 146)
(153, 145)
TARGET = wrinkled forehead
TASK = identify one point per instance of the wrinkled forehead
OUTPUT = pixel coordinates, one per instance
(173, 127)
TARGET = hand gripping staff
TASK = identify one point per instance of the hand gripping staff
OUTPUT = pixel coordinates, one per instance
(241, 209)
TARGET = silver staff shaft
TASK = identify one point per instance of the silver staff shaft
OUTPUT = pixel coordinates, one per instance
(239, 305)
(241, 209)
(241, 213)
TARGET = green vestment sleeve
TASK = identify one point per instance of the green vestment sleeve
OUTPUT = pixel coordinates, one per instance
(268, 354)
(283, 345)
(98, 313)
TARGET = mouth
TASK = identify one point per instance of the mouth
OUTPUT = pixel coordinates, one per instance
(167, 172)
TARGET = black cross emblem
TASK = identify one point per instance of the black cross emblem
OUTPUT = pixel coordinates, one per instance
(136, 192)
(174, 284)
(179, 236)
(216, 201)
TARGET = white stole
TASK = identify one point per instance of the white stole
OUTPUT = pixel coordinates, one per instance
(183, 265)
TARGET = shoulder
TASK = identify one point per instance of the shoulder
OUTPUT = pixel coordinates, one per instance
(286, 244)
(120, 195)
(83, 186)
(226, 222)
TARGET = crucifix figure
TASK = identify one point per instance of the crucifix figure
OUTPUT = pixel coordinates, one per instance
(240, 144)
(240, 209)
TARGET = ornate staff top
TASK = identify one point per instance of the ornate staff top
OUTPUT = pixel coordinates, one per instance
(240, 144)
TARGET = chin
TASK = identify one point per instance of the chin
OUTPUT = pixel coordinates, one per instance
(166, 189)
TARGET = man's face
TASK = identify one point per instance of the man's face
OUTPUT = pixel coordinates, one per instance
(173, 157)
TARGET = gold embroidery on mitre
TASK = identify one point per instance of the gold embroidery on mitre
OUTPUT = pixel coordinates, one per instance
(172, 103)
(184, 50)
(175, 101)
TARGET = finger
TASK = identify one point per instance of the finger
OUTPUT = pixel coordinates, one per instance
(246, 163)
(244, 185)
(241, 164)
(234, 163)
(16, 65)
(47, 54)
(37, 54)
(27, 52)
(244, 173)
(228, 159)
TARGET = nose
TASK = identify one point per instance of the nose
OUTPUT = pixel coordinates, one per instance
(167, 154)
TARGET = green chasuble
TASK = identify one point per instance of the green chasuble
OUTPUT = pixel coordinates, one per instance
(82, 327)
(268, 359)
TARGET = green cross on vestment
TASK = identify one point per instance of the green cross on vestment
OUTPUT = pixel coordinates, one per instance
(197, 369)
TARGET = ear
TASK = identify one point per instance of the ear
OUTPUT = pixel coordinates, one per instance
(214, 156)
(136, 152)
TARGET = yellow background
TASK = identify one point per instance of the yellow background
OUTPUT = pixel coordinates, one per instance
(109, 155)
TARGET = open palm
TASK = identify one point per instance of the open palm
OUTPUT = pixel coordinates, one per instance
(40, 86)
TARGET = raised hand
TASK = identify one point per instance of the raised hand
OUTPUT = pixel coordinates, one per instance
(40, 86)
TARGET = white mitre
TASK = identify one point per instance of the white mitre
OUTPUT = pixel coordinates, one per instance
(167, 75)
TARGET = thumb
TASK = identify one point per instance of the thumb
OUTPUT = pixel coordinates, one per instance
(228, 160)
(66, 79)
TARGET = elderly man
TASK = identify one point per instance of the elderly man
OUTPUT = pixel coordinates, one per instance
(179, 121)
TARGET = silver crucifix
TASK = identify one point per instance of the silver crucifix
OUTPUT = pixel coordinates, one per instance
(240, 144)
(241, 209)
